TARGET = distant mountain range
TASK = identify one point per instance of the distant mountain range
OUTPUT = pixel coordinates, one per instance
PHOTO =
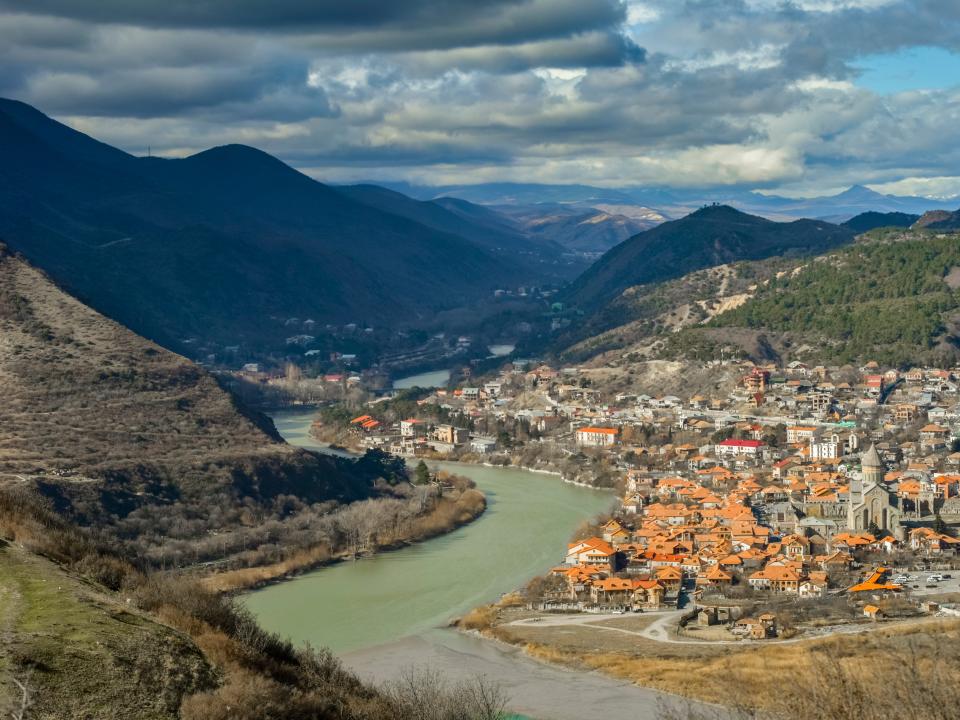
(674, 202)
(226, 244)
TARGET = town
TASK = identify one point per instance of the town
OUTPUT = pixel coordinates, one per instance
(781, 486)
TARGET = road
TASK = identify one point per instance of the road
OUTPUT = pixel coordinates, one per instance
(662, 629)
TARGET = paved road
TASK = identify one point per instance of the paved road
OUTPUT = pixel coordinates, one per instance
(662, 629)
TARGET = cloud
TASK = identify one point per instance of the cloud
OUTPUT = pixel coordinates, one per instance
(753, 93)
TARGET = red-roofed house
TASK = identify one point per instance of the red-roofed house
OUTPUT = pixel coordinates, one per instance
(733, 447)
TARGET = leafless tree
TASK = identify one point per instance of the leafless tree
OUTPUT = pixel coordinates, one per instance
(425, 694)
(26, 699)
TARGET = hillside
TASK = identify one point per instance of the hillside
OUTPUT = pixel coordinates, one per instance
(82, 652)
(637, 324)
(892, 298)
(712, 236)
(88, 633)
(578, 228)
(223, 246)
(939, 220)
(139, 442)
(436, 215)
(865, 222)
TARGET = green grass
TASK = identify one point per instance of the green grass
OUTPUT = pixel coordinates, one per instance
(83, 653)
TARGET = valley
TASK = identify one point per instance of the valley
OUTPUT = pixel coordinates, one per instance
(527, 360)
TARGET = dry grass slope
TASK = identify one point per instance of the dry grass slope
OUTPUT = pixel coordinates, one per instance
(112, 428)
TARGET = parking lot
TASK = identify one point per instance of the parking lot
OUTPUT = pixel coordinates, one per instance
(950, 583)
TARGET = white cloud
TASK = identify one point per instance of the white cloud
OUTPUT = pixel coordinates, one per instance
(944, 187)
(813, 84)
(640, 12)
(759, 58)
(824, 6)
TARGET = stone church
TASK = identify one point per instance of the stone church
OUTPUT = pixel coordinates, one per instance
(870, 501)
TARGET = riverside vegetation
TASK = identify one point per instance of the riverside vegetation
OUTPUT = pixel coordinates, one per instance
(121, 464)
(88, 633)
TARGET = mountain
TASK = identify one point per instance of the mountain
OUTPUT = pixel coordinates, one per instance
(578, 228)
(482, 226)
(864, 222)
(854, 201)
(939, 220)
(676, 202)
(224, 245)
(713, 235)
(136, 441)
(892, 297)
(507, 193)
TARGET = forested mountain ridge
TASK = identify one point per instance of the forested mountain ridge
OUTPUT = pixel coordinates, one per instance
(865, 222)
(714, 235)
(892, 296)
(224, 245)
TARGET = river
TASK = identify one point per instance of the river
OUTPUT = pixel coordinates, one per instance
(388, 612)
(432, 379)
(353, 605)
(439, 378)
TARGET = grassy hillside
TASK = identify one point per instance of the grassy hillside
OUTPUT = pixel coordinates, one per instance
(82, 652)
(86, 634)
(892, 297)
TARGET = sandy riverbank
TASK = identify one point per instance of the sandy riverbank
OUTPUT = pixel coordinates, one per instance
(535, 689)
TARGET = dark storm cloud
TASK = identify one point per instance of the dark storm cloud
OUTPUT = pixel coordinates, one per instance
(353, 24)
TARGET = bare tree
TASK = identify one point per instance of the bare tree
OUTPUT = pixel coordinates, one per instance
(26, 699)
(425, 694)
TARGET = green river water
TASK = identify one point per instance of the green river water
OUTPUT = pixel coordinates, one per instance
(407, 592)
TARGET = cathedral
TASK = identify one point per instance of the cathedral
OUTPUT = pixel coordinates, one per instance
(870, 502)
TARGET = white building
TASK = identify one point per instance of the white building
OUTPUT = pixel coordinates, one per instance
(597, 436)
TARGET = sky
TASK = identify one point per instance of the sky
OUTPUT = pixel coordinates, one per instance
(795, 96)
